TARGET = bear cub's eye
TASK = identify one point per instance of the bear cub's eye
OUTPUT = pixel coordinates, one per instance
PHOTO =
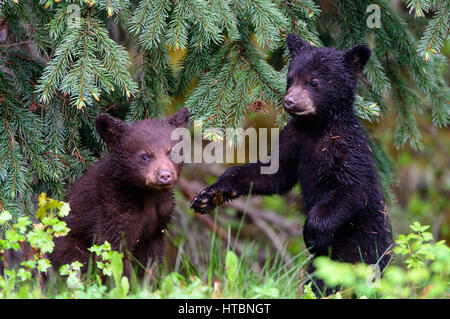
(145, 157)
(314, 83)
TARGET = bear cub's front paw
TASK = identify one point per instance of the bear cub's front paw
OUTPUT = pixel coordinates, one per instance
(206, 201)
(211, 197)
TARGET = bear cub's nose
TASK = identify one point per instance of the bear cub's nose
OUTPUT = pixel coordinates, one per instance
(289, 102)
(165, 176)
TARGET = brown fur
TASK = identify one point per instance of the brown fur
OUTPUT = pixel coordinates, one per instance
(122, 198)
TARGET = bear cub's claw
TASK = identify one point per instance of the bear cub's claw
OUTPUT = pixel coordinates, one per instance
(205, 202)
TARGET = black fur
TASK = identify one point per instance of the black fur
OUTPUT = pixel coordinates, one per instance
(328, 154)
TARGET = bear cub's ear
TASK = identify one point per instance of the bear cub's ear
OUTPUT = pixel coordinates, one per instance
(179, 119)
(109, 128)
(357, 56)
(296, 44)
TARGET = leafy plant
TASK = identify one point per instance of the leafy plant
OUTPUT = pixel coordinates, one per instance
(33, 239)
(417, 246)
(426, 275)
(111, 264)
(72, 271)
(105, 255)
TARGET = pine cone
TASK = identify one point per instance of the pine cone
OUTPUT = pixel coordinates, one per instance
(258, 106)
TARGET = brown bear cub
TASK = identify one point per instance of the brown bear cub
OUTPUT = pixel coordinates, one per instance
(126, 198)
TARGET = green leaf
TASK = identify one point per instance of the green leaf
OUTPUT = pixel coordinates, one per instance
(395, 275)
(43, 265)
(417, 275)
(60, 229)
(415, 226)
(24, 274)
(64, 269)
(427, 236)
(31, 263)
(231, 267)
(14, 237)
(124, 286)
(5, 217)
(170, 283)
(22, 223)
(64, 210)
(117, 267)
(308, 293)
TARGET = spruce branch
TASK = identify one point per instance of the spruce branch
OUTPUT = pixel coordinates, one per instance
(149, 22)
(436, 31)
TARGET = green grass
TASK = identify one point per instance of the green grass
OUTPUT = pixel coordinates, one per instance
(422, 269)
(225, 274)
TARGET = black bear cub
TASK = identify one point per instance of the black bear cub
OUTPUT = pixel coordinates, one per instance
(126, 198)
(324, 148)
